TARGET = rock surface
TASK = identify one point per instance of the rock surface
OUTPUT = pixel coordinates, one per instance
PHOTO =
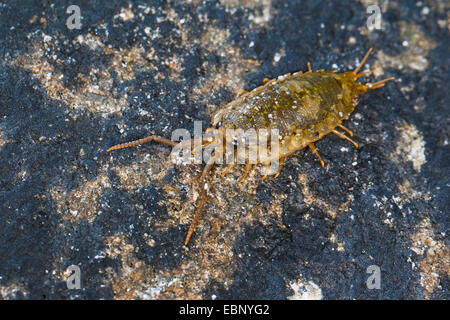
(134, 69)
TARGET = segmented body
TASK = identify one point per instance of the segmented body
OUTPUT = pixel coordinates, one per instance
(304, 107)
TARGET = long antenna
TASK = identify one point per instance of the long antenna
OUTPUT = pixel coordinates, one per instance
(362, 61)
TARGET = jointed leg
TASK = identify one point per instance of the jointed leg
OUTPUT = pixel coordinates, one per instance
(266, 169)
(142, 141)
(241, 91)
(188, 143)
(346, 129)
(280, 166)
(203, 197)
(309, 66)
(265, 80)
(314, 150)
(343, 136)
(228, 169)
(247, 169)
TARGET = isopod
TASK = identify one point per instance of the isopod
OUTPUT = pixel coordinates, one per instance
(303, 107)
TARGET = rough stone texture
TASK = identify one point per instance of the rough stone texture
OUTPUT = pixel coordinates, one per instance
(136, 68)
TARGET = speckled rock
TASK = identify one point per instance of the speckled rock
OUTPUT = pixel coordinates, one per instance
(135, 69)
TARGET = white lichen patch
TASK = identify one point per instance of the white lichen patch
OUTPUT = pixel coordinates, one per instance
(436, 256)
(305, 290)
(215, 39)
(140, 173)
(277, 57)
(3, 141)
(125, 14)
(12, 291)
(259, 9)
(92, 41)
(83, 202)
(93, 95)
(41, 69)
(229, 75)
(127, 61)
(134, 274)
(136, 280)
(262, 18)
(417, 45)
(340, 246)
(410, 146)
(311, 199)
(406, 189)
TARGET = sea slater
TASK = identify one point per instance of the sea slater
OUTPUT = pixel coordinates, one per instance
(302, 107)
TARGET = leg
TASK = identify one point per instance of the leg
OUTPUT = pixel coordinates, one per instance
(343, 136)
(247, 169)
(346, 129)
(228, 169)
(204, 145)
(266, 168)
(241, 91)
(265, 80)
(203, 197)
(141, 141)
(314, 150)
(280, 166)
(309, 66)
(193, 142)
